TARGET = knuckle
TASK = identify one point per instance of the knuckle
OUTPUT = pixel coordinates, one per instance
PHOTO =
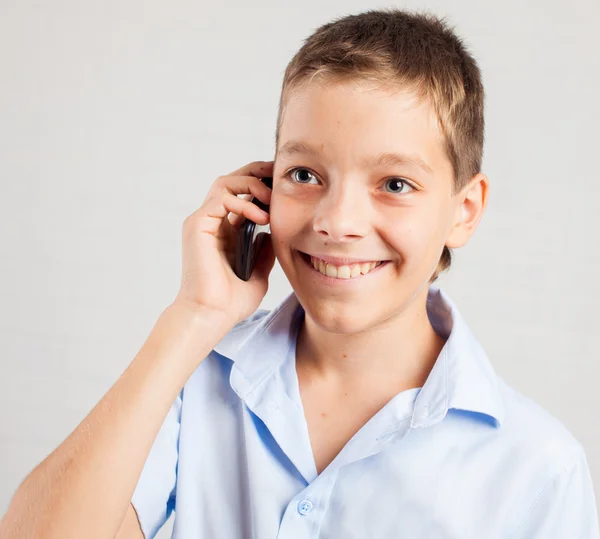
(220, 183)
(188, 221)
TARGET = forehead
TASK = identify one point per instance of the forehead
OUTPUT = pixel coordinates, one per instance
(361, 125)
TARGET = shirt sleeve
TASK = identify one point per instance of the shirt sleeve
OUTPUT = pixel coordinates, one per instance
(154, 495)
(566, 507)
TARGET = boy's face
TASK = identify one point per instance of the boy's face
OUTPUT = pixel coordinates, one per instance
(333, 200)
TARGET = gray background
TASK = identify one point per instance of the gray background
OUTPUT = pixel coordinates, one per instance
(115, 118)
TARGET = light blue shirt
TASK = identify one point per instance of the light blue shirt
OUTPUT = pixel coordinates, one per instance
(463, 457)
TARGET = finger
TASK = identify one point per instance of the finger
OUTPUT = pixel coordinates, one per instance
(226, 188)
(258, 169)
(231, 203)
(246, 187)
(256, 187)
(236, 220)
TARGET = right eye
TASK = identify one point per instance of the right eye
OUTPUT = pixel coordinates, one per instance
(299, 178)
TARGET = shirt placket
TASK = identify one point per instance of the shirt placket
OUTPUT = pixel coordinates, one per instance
(305, 512)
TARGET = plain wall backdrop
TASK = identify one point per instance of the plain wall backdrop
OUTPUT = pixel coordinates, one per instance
(117, 116)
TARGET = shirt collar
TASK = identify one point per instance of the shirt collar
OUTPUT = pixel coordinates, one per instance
(462, 377)
(258, 345)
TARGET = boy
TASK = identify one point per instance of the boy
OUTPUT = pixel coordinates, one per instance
(362, 406)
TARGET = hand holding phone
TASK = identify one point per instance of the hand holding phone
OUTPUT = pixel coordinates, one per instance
(210, 238)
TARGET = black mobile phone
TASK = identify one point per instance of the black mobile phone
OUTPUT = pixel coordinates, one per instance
(250, 238)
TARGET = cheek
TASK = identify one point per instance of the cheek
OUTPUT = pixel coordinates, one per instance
(285, 219)
(413, 236)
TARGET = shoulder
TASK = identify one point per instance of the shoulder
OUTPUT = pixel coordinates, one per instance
(210, 381)
(251, 321)
(242, 330)
(533, 433)
(240, 333)
(544, 456)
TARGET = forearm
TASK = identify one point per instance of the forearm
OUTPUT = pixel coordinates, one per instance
(83, 488)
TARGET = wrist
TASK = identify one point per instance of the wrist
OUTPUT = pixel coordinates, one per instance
(181, 339)
(197, 317)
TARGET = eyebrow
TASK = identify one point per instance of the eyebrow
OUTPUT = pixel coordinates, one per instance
(383, 159)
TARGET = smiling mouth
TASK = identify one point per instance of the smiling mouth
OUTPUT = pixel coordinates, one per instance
(344, 272)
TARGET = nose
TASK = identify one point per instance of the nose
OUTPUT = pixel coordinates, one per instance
(342, 214)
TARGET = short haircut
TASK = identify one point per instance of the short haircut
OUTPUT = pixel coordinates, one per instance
(402, 49)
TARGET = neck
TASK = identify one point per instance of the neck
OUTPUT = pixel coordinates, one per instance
(399, 352)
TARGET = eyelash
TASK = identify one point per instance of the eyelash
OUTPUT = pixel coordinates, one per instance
(289, 173)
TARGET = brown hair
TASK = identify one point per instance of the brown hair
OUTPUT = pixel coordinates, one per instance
(399, 48)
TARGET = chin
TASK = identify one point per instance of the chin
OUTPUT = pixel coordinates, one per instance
(341, 317)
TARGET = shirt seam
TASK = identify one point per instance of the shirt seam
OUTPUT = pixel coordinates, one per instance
(544, 489)
(395, 429)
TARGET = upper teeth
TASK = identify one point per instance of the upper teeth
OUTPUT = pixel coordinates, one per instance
(343, 272)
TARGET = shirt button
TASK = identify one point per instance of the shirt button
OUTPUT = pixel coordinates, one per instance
(305, 507)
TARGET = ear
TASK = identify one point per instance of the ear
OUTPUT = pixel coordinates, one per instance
(470, 205)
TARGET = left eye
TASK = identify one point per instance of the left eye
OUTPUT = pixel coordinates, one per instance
(397, 185)
(293, 175)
